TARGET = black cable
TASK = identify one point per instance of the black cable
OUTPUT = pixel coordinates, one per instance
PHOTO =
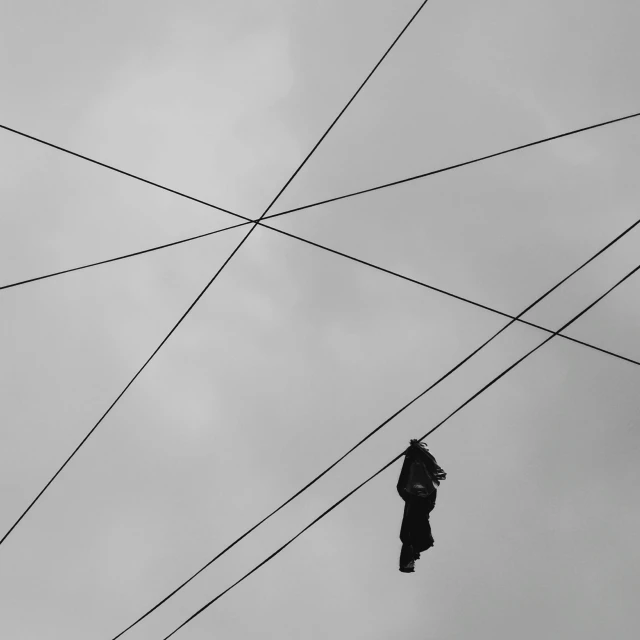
(344, 255)
(121, 171)
(517, 318)
(453, 166)
(320, 202)
(282, 213)
(353, 97)
(372, 433)
(457, 297)
(248, 220)
(113, 404)
(128, 255)
(208, 204)
(386, 466)
(237, 248)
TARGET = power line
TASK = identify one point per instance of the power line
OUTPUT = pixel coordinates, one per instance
(320, 202)
(113, 404)
(290, 235)
(378, 428)
(224, 264)
(386, 466)
(458, 297)
(248, 221)
(198, 200)
(120, 171)
(330, 250)
(282, 213)
(454, 166)
(258, 221)
(128, 255)
(353, 97)
(348, 257)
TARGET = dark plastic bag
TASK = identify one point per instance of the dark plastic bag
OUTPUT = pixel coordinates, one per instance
(419, 482)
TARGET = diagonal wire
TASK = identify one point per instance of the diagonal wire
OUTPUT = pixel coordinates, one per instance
(386, 466)
(386, 53)
(462, 298)
(204, 202)
(327, 201)
(128, 255)
(343, 255)
(454, 166)
(113, 404)
(274, 215)
(120, 171)
(217, 273)
(372, 433)
(348, 257)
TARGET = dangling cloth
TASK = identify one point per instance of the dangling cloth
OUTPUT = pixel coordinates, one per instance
(419, 477)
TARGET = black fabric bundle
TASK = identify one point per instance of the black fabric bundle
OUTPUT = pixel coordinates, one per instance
(419, 476)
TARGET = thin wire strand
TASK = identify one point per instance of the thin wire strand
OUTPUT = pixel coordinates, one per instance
(348, 257)
(458, 297)
(204, 202)
(320, 202)
(113, 404)
(282, 213)
(453, 166)
(386, 466)
(353, 97)
(236, 249)
(248, 220)
(372, 433)
(120, 171)
(128, 255)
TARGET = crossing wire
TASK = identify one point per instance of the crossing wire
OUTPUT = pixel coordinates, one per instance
(348, 257)
(462, 298)
(263, 216)
(455, 166)
(120, 171)
(224, 264)
(329, 200)
(378, 428)
(128, 255)
(266, 217)
(336, 252)
(386, 466)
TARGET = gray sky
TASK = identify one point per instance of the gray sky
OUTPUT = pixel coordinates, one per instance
(294, 354)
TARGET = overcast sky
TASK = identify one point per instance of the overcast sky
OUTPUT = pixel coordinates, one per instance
(294, 354)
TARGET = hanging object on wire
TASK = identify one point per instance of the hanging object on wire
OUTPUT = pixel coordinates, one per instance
(419, 477)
